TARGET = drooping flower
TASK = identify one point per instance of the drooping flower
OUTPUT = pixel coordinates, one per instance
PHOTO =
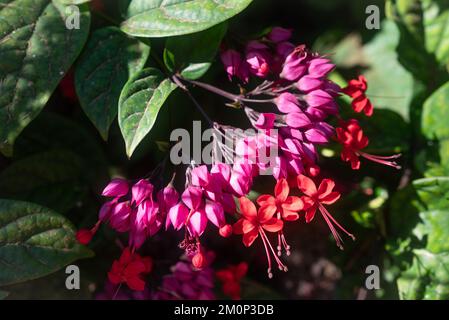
(254, 223)
(351, 136)
(315, 199)
(130, 268)
(230, 278)
(356, 89)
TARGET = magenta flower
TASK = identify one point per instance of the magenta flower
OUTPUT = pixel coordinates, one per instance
(295, 64)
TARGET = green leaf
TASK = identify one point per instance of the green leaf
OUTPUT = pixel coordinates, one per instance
(192, 55)
(53, 179)
(390, 86)
(435, 113)
(177, 17)
(434, 192)
(110, 59)
(36, 50)
(424, 44)
(427, 278)
(435, 227)
(140, 102)
(34, 242)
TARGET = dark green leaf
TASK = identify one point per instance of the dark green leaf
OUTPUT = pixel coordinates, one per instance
(36, 50)
(156, 18)
(34, 242)
(109, 60)
(53, 179)
(140, 102)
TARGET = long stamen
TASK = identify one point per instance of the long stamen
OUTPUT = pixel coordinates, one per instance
(281, 266)
(329, 220)
(381, 159)
(270, 274)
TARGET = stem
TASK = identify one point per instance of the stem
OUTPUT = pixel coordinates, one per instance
(195, 102)
(225, 94)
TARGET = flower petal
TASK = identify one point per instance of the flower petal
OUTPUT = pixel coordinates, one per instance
(265, 213)
(293, 203)
(266, 199)
(330, 198)
(281, 190)
(247, 208)
(273, 225)
(306, 185)
(326, 187)
(250, 237)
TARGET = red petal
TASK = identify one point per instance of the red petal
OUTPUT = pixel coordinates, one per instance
(288, 215)
(273, 225)
(281, 190)
(293, 204)
(330, 198)
(248, 238)
(266, 213)
(266, 199)
(247, 208)
(306, 185)
(310, 214)
(135, 283)
(326, 187)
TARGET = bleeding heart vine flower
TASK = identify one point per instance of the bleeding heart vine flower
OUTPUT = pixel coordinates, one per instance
(351, 136)
(254, 223)
(315, 199)
(356, 89)
(285, 206)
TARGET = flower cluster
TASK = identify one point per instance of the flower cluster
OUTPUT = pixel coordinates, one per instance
(295, 83)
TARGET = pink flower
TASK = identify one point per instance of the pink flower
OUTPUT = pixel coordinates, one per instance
(295, 64)
(116, 188)
(319, 67)
(258, 62)
(141, 190)
(309, 83)
(287, 102)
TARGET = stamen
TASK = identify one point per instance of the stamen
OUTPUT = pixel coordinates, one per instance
(281, 266)
(329, 220)
(381, 159)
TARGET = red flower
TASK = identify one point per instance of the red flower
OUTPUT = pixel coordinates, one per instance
(254, 223)
(316, 199)
(351, 136)
(356, 89)
(285, 206)
(130, 268)
(230, 278)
